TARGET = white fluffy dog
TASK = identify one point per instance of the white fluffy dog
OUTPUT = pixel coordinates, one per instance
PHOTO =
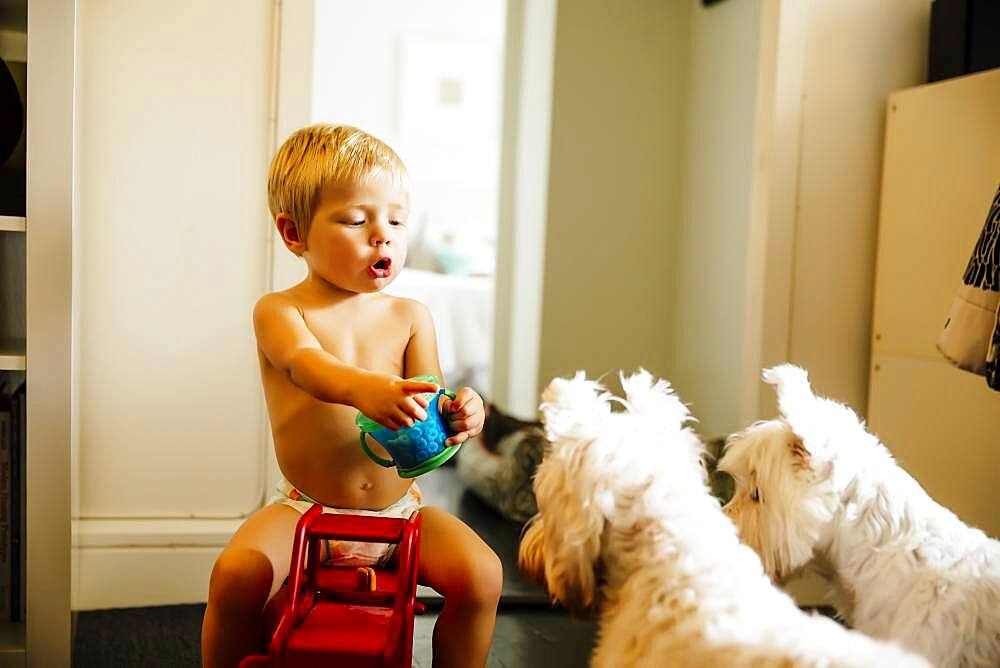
(816, 489)
(627, 528)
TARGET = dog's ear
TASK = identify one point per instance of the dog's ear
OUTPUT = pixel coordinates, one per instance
(531, 552)
(646, 397)
(801, 459)
(570, 489)
(573, 503)
(574, 408)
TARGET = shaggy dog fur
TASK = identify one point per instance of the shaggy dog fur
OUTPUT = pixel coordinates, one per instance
(628, 529)
(816, 489)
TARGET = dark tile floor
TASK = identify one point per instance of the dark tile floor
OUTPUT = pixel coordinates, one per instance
(524, 638)
(528, 632)
(168, 637)
(443, 488)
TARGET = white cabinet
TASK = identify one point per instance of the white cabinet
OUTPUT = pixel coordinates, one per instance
(941, 171)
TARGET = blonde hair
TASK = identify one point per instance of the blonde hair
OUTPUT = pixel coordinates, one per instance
(318, 155)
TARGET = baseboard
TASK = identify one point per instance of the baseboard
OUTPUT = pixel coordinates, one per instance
(133, 563)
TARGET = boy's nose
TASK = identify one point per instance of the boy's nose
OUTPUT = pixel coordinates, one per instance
(380, 234)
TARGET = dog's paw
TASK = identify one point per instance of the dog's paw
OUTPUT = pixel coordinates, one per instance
(574, 407)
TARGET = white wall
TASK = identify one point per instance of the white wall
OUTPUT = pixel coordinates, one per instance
(330, 72)
(857, 52)
(358, 43)
(173, 143)
(712, 248)
(776, 245)
(375, 64)
(619, 96)
(832, 85)
(782, 187)
(789, 278)
(652, 252)
(175, 127)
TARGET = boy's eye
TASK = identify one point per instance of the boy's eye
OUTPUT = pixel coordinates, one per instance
(396, 222)
(354, 223)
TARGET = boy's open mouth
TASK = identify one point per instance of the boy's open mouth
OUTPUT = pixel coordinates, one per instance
(382, 268)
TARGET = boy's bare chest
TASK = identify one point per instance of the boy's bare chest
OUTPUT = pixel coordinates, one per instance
(375, 341)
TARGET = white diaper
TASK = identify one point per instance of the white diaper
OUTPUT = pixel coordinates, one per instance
(351, 553)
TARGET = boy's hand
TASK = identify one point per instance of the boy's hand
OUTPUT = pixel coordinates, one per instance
(393, 402)
(464, 414)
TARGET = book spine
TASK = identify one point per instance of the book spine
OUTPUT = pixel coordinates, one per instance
(6, 441)
(23, 467)
(18, 455)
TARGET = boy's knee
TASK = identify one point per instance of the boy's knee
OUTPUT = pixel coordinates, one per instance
(241, 579)
(493, 578)
(484, 582)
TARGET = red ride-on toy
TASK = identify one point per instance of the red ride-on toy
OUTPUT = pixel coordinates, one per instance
(344, 615)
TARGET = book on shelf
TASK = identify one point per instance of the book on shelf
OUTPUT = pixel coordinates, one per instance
(21, 498)
(6, 445)
(12, 455)
(17, 505)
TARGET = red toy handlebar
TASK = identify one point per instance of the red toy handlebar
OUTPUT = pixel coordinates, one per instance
(305, 584)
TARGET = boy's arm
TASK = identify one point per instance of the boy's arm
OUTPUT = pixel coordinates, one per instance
(289, 346)
(421, 355)
(466, 414)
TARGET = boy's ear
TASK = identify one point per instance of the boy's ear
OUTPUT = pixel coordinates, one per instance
(289, 233)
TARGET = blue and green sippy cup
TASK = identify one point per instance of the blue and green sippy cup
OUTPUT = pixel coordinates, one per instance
(414, 450)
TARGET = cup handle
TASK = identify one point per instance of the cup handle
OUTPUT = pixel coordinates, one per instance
(450, 395)
(381, 461)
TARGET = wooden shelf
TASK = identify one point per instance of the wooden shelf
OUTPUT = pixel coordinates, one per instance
(12, 224)
(12, 644)
(12, 355)
(13, 45)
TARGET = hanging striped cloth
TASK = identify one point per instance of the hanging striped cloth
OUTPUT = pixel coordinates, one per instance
(971, 335)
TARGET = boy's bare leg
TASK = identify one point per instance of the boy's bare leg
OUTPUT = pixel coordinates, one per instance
(247, 573)
(456, 562)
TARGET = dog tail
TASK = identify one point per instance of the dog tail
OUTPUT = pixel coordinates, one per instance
(796, 400)
(574, 407)
(643, 396)
(792, 383)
